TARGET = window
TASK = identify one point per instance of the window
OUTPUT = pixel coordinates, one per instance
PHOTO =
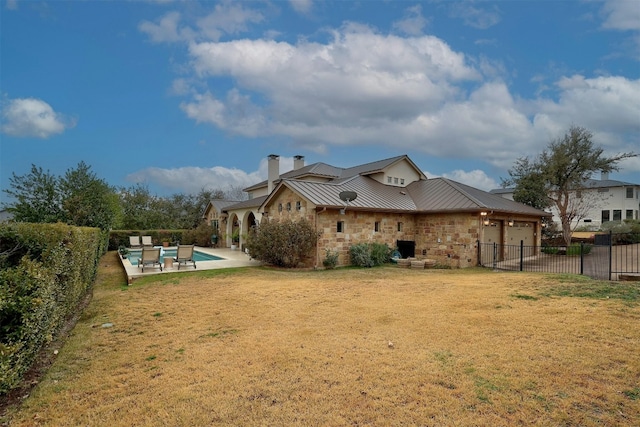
(629, 192)
(376, 226)
(399, 226)
(298, 205)
(395, 180)
(279, 207)
(214, 224)
(289, 206)
(629, 214)
(579, 194)
(401, 181)
(340, 227)
(617, 215)
(388, 180)
(605, 216)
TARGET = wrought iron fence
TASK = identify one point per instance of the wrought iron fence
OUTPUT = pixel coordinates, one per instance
(606, 258)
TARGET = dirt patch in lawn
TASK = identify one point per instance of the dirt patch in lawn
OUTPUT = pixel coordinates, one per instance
(384, 346)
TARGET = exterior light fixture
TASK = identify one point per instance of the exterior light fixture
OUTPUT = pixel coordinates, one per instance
(510, 222)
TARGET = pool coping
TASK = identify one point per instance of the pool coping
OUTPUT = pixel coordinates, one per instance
(230, 259)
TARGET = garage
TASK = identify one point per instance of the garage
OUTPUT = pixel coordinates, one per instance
(522, 232)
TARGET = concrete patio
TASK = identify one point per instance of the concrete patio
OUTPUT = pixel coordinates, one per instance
(229, 259)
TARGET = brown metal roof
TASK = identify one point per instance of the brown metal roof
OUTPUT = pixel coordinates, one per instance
(441, 195)
(426, 196)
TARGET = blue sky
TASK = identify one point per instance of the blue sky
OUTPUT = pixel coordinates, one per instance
(186, 95)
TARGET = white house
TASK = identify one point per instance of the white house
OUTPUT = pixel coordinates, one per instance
(602, 200)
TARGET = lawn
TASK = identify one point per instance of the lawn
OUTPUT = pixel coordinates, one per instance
(362, 347)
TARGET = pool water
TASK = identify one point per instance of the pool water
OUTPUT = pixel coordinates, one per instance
(171, 253)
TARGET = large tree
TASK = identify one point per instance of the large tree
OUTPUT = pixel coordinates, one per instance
(558, 176)
(37, 197)
(88, 201)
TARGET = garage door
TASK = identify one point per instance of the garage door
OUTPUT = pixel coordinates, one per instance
(492, 234)
(522, 231)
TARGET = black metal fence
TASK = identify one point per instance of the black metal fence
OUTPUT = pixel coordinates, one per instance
(608, 256)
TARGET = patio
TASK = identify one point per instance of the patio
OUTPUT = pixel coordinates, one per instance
(229, 259)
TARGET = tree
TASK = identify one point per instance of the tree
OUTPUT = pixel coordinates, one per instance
(38, 197)
(88, 201)
(558, 176)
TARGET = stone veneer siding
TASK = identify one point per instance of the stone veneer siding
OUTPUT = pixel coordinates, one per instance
(449, 238)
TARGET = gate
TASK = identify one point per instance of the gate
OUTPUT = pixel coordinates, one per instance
(611, 256)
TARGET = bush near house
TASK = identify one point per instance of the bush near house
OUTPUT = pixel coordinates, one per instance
(369, 254)
(46, 270)
(283, 243)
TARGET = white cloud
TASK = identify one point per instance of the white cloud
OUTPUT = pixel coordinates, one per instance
(30, 117)
(191, 180)
(473, 16)
(622, 15)
(364, 88)
(302, 6)
(475, 178)
(413, 23)
(227, 18)
(166, 30)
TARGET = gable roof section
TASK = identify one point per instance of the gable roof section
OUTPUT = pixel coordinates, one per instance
(251, 203)
(333, 173)
(219, 205)
(372, 195)
(378, 166)
(445, 195)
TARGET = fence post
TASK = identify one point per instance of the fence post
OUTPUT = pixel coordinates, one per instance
(521, 254)
(495, 255)
(479, 253)
(581, 258)
(610, 252)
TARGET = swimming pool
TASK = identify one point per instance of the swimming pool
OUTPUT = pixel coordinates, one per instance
(171, 253)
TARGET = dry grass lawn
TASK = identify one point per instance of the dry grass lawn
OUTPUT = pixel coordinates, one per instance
(361, 347)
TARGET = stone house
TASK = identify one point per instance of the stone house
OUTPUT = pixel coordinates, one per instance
(394, 203)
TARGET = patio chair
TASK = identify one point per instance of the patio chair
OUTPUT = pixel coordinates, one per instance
(150, 256)
(146, 241)
(185, 255)
(134, 242)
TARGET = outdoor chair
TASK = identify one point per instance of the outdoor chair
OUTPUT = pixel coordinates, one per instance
(150, 256)
(134, 242)
(146, 241)
(185, 255)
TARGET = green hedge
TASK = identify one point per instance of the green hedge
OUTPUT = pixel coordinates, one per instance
(45, 272)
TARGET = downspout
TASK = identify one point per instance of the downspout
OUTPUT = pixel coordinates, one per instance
(315, 267)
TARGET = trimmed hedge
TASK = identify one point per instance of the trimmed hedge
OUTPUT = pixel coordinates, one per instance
(45, 272)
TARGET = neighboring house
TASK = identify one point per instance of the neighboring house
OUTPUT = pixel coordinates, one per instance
(396, 205)
(602, 201)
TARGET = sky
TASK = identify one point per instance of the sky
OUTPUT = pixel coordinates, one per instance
(182, 96)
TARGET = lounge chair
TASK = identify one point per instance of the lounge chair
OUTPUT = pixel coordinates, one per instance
(150, 256)
(185, 255)
(134, 242)
(146, 241)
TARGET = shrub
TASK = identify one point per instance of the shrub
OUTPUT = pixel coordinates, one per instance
(369, 254)
(576, 249)
(200, 236)
(331, 259)
(283, 243)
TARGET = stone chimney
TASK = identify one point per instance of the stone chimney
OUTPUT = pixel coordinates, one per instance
(604, 176)
(274, 171)
(298, 162)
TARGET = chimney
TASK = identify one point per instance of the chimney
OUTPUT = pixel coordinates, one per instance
(298, 162)
(604, 176)
(274, 171)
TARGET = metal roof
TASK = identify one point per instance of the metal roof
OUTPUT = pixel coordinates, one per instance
(441, 194)
(426, 196)
(251, 203)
